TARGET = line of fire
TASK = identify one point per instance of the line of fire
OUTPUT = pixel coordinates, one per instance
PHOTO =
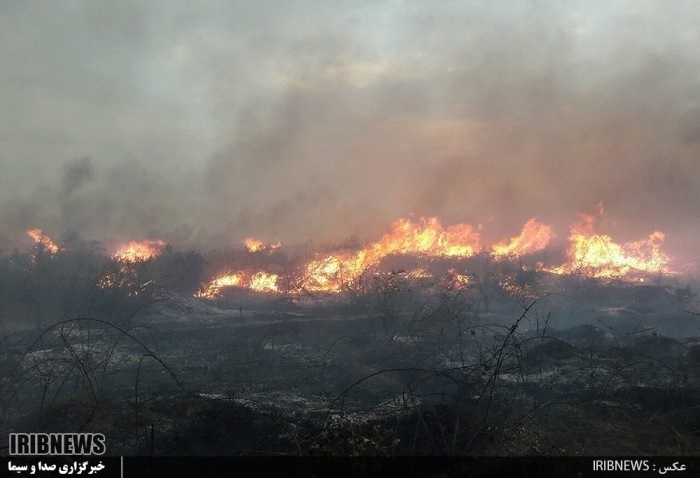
(367, 229)
(426, 340)
(419, 247)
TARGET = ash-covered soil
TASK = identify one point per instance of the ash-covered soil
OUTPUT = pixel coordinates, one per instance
(602, 369)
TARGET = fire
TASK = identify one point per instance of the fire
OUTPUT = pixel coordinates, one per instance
(126, 273)
(534, 237)
(323, 275)
(227, 279)
(138, 251)
(263, 282)
(42, 239)
(259, 282)
(427, 237)
(591, 254)
(597, 255)
(419, 273)
(255, 245)
(457, 280)
(330, 273)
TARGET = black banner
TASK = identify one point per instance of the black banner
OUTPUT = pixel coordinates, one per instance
(286, 467)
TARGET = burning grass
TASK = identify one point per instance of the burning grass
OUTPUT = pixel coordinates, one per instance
(267, 267)
(589, 254)
(135, 251)
(418, 354)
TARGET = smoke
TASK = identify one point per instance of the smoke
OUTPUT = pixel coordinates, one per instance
(206, 124)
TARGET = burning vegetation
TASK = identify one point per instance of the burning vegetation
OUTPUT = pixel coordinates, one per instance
(427, 317)
(255, 245)
(371, 244)
(267, 269)
(588, 254)
(138, 251)
(43, 240)
(597, 255)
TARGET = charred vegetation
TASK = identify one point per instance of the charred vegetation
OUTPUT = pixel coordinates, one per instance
(416, 355)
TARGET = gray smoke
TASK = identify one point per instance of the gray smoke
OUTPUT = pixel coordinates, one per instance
(209, 122)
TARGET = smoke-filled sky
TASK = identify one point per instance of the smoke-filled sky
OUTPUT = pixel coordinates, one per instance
(206, 122)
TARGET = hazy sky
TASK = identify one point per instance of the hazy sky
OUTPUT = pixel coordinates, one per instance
(205, 122)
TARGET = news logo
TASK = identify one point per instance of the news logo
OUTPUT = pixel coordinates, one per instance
(57, 444)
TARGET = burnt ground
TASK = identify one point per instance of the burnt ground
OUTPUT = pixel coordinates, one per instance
(601, 369)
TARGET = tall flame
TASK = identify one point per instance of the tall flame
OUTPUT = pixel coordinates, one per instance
(44, 240)
(427, 237)
(597, 255)
(589, 253)
(534, 237)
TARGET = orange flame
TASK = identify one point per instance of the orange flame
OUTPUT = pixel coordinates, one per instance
(43, 240)
(534, 237)
(259, 282)
(228, 279)
(263, 282)
(428, 237)
(323, 275)
(589, 253)
(255, 245)
(596, 255)
(139, 251)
